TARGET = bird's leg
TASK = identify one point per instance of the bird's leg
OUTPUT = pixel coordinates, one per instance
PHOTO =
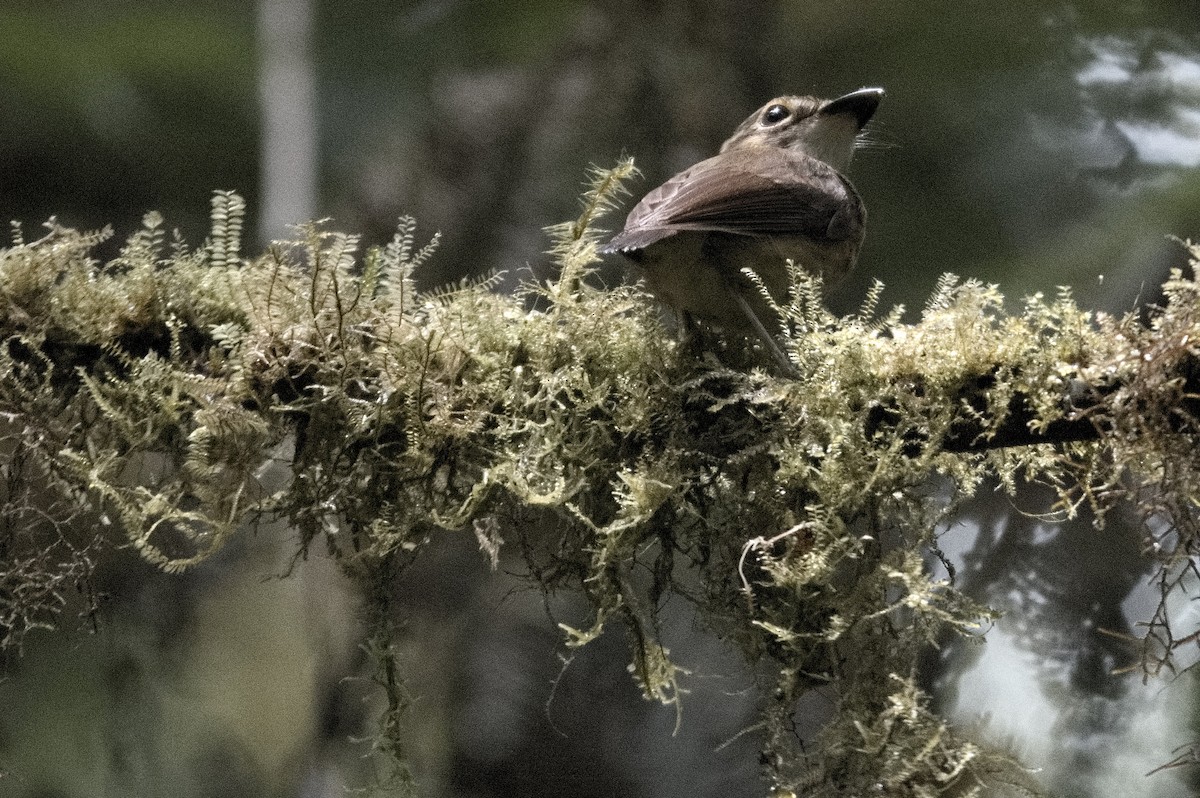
(767, 339)
(689, 331)
(692, 340)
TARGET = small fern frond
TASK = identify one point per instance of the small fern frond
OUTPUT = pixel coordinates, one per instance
(480, 282)
(398, 264)
(943, 293)
(225, 243)
(606, 188)
(869, 307)
(805, 309)
(869, 318)
(761, 288)
(573, 244)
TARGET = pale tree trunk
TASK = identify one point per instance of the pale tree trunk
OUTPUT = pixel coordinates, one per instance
(287, 93)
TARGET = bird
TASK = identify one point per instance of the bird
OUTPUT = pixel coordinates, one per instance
(775, 191)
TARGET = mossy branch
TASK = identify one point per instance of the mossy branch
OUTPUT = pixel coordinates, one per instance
(152, 390)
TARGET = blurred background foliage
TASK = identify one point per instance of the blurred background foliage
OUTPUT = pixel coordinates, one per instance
(1030, 144)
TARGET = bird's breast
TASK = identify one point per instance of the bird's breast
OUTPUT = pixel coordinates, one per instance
(696, 271)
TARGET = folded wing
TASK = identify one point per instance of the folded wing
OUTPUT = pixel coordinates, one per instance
(753, 192)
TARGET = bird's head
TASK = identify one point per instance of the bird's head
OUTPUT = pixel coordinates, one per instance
(824, 129)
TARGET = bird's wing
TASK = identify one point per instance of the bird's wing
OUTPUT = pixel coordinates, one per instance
(758, 192)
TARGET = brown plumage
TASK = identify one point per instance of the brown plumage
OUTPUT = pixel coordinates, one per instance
(774, 192)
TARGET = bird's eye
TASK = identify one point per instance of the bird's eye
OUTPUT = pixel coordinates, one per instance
(775, 114)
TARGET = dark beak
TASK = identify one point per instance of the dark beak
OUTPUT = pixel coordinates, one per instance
(860, 104)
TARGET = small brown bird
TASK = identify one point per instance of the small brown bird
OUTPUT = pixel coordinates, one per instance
(776, 191)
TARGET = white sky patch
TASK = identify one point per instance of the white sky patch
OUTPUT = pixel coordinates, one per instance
(1159, 144)
(1005, 697)
(1181, 70)
(1115, 67)
(1103, 70)
(1003, 690)
(1110, 64)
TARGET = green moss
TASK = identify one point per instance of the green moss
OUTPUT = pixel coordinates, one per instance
(795, 512)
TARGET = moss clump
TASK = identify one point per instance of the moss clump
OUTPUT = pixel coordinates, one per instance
(795, 512)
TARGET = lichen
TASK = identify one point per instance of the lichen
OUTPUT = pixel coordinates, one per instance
(796, 511)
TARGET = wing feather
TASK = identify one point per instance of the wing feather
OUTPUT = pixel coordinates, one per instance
(752, 192)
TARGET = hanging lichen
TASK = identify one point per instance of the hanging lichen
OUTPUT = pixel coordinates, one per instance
(795, 511)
